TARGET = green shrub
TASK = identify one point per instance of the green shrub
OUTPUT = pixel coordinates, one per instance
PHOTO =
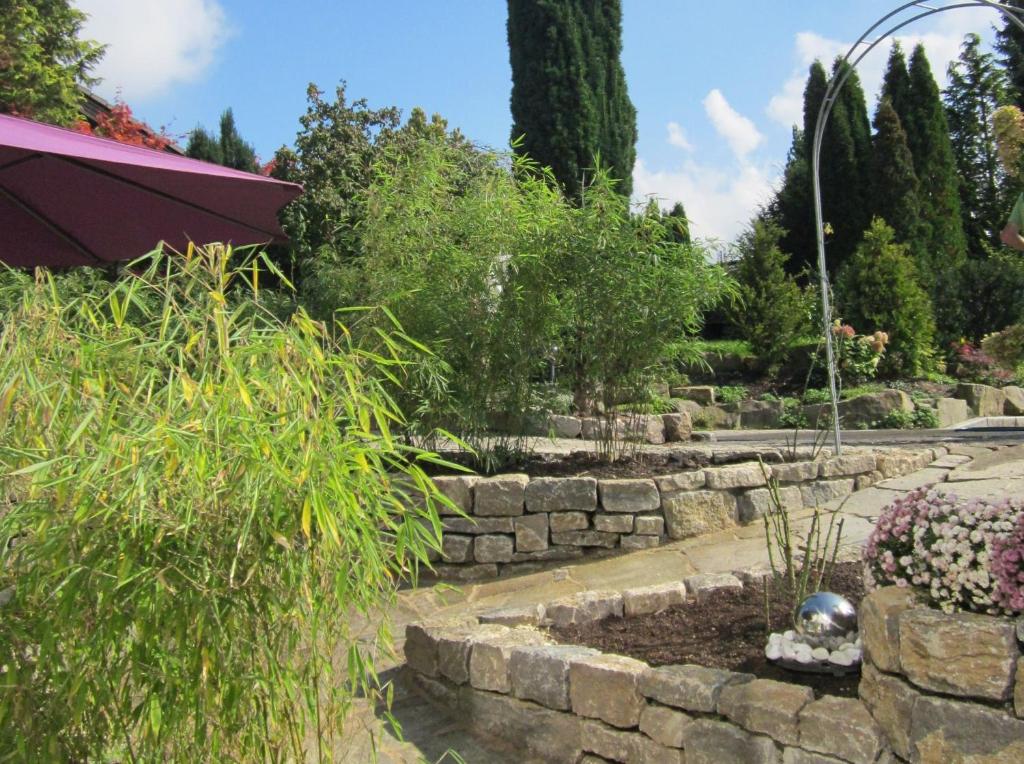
(921, 418)
(1006, 347)
(793, 416)
(203, 504)
(770, 311)
(878, 290)
(816, 395)
(731, 394)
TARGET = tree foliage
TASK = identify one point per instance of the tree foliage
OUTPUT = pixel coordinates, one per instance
(894, 186)
(1010, 44)
(570, 105)
(42, 60)
(228, 148)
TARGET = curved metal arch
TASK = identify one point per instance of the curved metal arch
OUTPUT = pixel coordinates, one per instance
(1009, 12)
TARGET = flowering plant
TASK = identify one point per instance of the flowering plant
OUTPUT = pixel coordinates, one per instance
(965, 553)
(975, 365)
(857, 355)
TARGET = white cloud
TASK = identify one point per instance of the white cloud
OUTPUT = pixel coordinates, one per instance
(153, 45)
(718, 202)
(741, 134)
(677, 137)
(942, 43)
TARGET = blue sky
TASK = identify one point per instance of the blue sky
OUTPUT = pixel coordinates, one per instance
(716, 85)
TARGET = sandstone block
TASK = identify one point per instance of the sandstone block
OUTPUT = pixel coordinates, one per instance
(951, 411)
(702, 394)
(822, 491)
(608, 743)
(800, 756)
(681, 481)
(649, 525)
(705, 585)
(691, 688)
(454, 646)
(891, 703)
(760, 415)
(849, 464)
(583, 607)
(500, 496)
(586, 538)
(464, 572)
(635, 542)
(568, 521)
(607, 687)
(493, 548)
(713, 742)
(962, 654)
(531, 533)
(541, 673)
(561, 494)
(455, 548)
(736, 476)
(678, 426)
(895, 464)
(458, 489)
(756, 502)
(983, 400)
(652, 599)
(766, 706)
(841, 727)
(549, 736)
(947, 731)
(1018, 689)
(564, 426)
(878, 621)
(664, 725)
(629, 495)
(692, 513)
(477, 525)
(613, 523)
(551, 554)
(797, 472)
(1014, 400)
(421, 648)
(490, 653)
(524, 615)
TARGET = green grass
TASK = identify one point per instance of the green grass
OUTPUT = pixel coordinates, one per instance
(723, 347)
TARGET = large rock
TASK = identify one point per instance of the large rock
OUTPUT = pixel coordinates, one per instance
(983, 400)
(549, 736)
(613, 523)
(736, 476)
(531, 533)
(569, 521)
(681, 481)
(704, 586)
(795, 472)
(1018, 689)
(962, 654)
(610, 744)
(702, 394)
(891, 703)
(459, 490)
(713, 742)
(629, 495)
(635, 541)
(552, 554)
(1014, 400)
(455, 548)
(879, 624)
(585, 538)
(493, 549)
(846, 465)
(516, 615)
(756, 502)
(947, 731)
(692, 513)
(607, 687)
(649, 525)
(824, 491)
(760, 415)
(951, 411)
(454, 646)
(766, 706)
(583, 607)
(664, 725)
(564, 426)
(421, 648)
(841, 727)
(653, 599)
(541, 673)
(561, 494)
(691, 688)
(500, 496)
(864, 410)
(490, 654)
(678, 426)
(477, 525)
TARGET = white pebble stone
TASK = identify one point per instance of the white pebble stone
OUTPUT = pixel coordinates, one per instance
(803, 658)
(775, 638)
(773, 652)
(840, 658)
(819, 654)
(847, 646)
(787, 651)
(789, 636)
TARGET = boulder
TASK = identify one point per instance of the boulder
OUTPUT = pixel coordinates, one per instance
(948, 731)
(796, 472)
(531, 533)
(736, 476)
(983, 399)
(681, 481)
(758, 501)
(649, 525)
(500, 496)
(585, 538)
(1014, 403)
(607, 687)
(456, 548)
(583, 607)
(635, 541)
(578, 494)
(951, 411)
(692, 513)
(550, 736)
(841, 727)
(629, 495)
(491, 652)
(702, 394)
(864, 410)
(541, 673)
(664, 725)
(459, 490)
(879, 624)
(712, 742)
(652, 599)
(613, 523)
(678, 426)
(568, 521)
(766, 706)
(760, 415)
(688, 687)
(564, 426)
(493, 548)
(891, 703)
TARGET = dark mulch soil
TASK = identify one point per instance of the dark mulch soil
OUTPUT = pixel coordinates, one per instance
(725, 632)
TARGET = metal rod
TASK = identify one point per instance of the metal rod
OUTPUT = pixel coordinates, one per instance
(831, 94)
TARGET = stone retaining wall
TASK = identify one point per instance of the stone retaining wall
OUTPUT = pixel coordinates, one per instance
(515, 523)
(935, 688)
(566, 703)
(943, 688)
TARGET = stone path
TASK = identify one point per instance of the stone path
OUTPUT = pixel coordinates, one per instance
(967, 470)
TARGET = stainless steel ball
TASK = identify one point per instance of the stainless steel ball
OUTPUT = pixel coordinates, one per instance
(824, 615)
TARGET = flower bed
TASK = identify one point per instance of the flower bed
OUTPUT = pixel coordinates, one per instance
(515, 523)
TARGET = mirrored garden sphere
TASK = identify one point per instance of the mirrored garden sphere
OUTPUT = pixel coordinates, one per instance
(824, 615)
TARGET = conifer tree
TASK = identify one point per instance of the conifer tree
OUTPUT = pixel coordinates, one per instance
(792, 209)
(202, 145)
(894, 186)
(227, 149)
(1010, 43)
(896, 83)
(976, 88)
(570, 105)
(678, 224)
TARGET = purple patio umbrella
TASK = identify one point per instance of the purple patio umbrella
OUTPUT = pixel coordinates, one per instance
(73, 199)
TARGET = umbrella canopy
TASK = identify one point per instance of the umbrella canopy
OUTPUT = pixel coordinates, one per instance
(73, 199)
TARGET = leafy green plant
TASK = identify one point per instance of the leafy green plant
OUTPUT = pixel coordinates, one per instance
(204, 503)
(921, 418)
(1006, 347)
(792, 416)
(816, 395)
(731, 394)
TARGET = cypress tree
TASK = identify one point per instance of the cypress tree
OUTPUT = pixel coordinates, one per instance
(1010, 43)
(935, 166)
(570, 105)
(202, 145)
(814, 94)
(976, 88)
(894, 187)
(793, 210)
(678, 224)
(235, 152)
(896, 83)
